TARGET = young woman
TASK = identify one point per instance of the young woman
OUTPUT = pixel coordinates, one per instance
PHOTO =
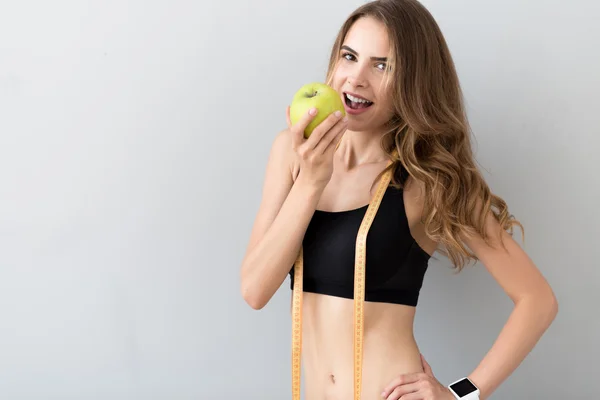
(393, 70)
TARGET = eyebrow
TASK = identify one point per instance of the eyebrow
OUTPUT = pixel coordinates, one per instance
(344, 47)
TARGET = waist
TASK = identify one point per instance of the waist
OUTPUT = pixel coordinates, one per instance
(389, 347)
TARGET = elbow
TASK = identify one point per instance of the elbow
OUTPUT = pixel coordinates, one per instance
(545, 306)
(253, 297)
(254, 301)
(552, 306)
(540, 301)
(550, 311)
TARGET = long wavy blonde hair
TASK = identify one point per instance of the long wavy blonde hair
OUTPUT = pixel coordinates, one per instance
(429, 133)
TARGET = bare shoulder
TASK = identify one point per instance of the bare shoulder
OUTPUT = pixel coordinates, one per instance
(281, 148)
(414, 202)
(414, 199)
(277, 183)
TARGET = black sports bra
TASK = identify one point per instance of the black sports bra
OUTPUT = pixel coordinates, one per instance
(395, 263)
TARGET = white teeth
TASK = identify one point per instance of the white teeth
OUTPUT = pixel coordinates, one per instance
(356, 99)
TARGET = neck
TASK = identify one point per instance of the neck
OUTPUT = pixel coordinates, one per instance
(359, 148)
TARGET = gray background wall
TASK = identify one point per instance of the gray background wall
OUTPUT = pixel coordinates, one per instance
(133, 141)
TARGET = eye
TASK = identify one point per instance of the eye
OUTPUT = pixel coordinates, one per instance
(382, 66)
(348, 56)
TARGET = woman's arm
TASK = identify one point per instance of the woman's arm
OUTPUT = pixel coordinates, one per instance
(535, 307)
(284, 214)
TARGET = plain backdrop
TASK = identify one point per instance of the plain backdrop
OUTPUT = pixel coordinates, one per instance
(133, 141)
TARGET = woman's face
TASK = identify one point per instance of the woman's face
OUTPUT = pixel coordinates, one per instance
(359, 75)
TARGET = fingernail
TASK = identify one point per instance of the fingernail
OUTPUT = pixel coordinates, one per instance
(312, 111)
(338, 113)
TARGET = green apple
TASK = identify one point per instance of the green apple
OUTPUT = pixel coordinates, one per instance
(319, 95)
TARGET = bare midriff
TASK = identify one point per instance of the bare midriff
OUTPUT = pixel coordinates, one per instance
(389, 347)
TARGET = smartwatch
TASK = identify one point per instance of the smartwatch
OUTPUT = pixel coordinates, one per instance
(464, 389)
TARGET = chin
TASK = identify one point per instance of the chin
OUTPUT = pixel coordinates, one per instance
(357, 125)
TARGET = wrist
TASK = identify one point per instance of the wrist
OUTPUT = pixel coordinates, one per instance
(310, 188)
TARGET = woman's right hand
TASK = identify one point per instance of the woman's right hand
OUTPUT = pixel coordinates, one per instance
(315, 154)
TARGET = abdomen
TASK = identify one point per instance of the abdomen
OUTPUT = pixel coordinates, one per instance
(328, 347)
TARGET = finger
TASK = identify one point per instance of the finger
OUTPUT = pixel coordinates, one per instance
(400, 391)
(400, 380)
(320, 130)
(426, 366)
(335, 143)
(339, 138)
(413, 396)
(330, 137)
(287, 117)
(299, 127)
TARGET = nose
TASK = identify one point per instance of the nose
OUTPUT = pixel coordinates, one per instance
(355, 82)
(358, 77)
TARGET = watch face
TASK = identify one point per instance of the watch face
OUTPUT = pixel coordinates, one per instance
(463, 387)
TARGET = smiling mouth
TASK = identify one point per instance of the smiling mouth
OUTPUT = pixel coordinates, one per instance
(356, 103)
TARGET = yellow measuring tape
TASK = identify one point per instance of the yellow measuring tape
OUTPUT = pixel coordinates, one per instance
(359, 296)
